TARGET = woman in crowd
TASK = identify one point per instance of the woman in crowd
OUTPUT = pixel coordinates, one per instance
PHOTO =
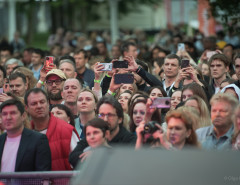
(137, 113)
(156, 92)
(96, 132)
(86, 104)
(180, 133)
(61, 111)
(202, 109)
(236, 133)
(193, 89)
(175, 99)
(124, 98)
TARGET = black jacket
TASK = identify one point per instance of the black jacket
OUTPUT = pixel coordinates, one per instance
(33, 152)
(122, 138)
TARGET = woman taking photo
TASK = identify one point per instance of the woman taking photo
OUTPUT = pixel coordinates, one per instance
(179, 135)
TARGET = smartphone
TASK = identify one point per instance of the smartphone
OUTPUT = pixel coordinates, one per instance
(210, 54)
(185, 63)
(107, 66)
(120, 64)
(161, 102)
(181, 47)
(126, 78)
(1, 90)
(49, 60)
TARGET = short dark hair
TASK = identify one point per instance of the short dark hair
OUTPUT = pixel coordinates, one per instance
(125, 46)
(64, 57)
(111, 101)
(68, 112)
(35, 91)
(39, 52)
(220, 57)
(4, 71)
(14, 76)
(173, 56)
(97, 123)
(15, 102)
(81, 51)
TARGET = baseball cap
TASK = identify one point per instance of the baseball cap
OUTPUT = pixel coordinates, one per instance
(57, 72)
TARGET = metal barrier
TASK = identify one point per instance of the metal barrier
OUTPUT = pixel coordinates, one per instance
(38, 178)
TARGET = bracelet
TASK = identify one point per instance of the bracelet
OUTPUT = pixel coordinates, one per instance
(111, 93)
(108, 76)
(41, 82)
(97, 81)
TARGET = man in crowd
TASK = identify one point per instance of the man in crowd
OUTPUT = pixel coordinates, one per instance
(21, 149)
(218, 136)
(219, 66)
(236, 62)
(171, 68)
(54, 85)
(129, 49)
(83, 73)
(71, 90)
(68, 67)
(18, 84)
(110, 110)
(37, 62)
(5, 53)
(62, 136)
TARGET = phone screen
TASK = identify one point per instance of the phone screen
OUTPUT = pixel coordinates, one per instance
(107, 66)
(126, 78)
(185, 63)
(120, 64)
(161, 102)
(181, 47)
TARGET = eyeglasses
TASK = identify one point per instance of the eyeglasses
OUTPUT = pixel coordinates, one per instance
(57, 82)
(109, 115)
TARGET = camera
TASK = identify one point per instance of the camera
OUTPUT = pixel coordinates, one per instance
(150, 127)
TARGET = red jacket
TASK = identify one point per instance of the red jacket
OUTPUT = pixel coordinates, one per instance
(59, 134)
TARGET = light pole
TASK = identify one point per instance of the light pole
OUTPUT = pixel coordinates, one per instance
(114, 20)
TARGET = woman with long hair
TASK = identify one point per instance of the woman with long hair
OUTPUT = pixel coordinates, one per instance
(86, 104)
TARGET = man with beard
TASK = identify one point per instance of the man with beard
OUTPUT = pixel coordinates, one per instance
(110, 110)
(54, 85)
(218, 136)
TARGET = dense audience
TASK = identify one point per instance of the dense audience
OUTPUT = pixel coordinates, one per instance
(173, 93)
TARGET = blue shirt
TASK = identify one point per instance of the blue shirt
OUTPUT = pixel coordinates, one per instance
(207, 137)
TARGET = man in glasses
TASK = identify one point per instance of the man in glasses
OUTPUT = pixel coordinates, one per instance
(110, 110)
(54, 85)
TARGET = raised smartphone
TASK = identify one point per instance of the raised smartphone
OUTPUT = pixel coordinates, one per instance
(126, 78)
(161, 102)
(120, 64)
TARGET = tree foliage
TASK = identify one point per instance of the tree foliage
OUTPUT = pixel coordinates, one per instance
(225, 9)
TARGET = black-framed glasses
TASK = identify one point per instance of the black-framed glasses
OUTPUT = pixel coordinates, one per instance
(57, 82)
(109, 115)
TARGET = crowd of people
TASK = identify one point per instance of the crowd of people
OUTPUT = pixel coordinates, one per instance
(174, 93)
